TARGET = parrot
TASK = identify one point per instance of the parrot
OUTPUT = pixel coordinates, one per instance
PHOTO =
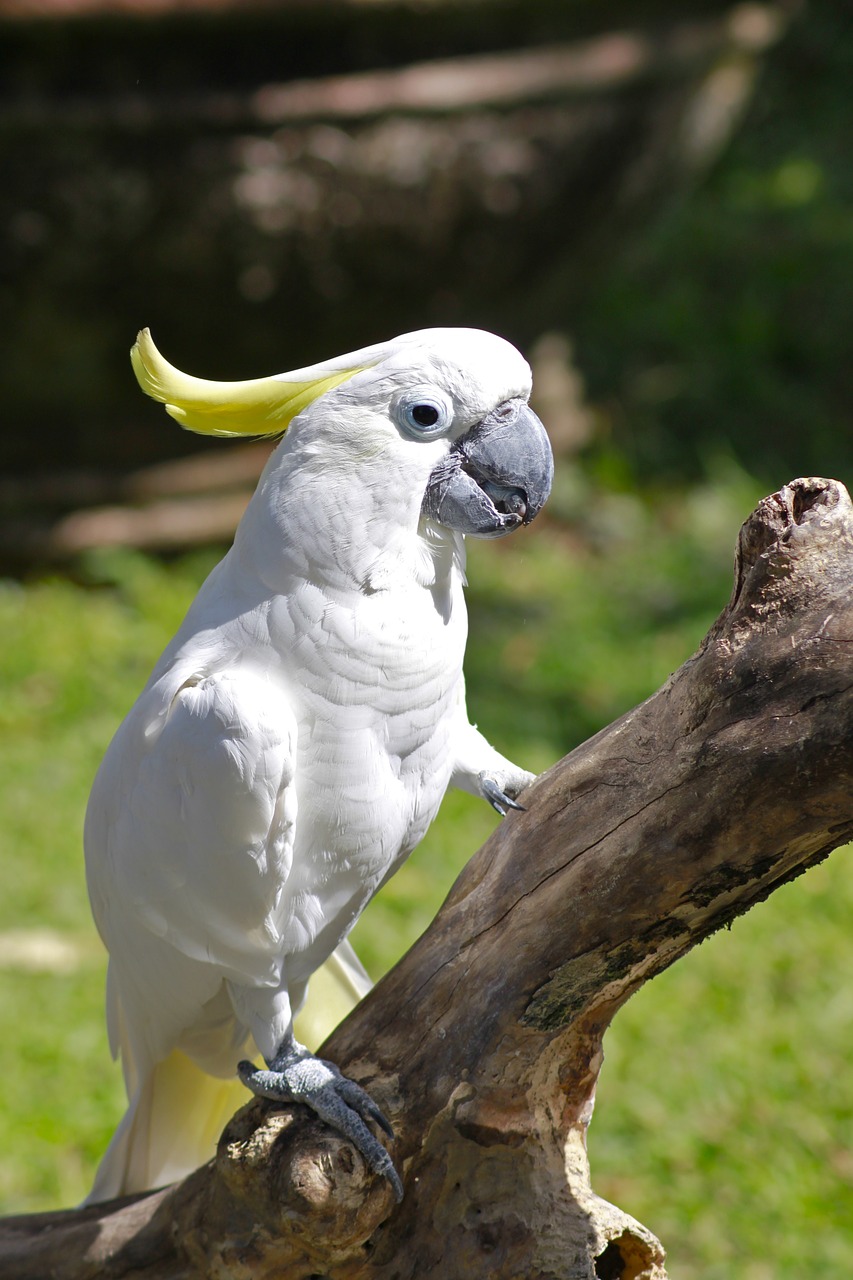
(295, 739)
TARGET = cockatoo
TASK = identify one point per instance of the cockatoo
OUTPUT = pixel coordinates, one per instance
(295, 739)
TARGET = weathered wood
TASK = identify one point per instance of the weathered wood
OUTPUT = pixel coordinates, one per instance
(484, 1043)
(604, 64)
(171, 505)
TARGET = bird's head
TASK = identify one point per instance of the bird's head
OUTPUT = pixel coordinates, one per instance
(448, 406)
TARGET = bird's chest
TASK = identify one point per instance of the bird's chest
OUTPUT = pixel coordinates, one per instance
(374, 681)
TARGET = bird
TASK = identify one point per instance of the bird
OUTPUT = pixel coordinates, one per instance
(295, 739)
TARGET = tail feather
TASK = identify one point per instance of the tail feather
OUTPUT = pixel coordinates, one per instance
(177, 1111)
(170, 1128)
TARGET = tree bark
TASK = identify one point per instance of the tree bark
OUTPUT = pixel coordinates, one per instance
(484, 1043)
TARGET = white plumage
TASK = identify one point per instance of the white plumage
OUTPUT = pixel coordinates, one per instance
(295, 739)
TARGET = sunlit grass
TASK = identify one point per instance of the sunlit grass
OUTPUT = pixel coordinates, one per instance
(725, 1107)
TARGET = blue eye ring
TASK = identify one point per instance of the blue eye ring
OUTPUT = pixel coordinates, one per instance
(423, 416)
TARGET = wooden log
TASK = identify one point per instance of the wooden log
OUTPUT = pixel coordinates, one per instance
(166, 507)
(159, 526)
(557, 72)
(484, 1043)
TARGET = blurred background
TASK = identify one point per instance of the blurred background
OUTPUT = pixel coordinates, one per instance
(655, 202)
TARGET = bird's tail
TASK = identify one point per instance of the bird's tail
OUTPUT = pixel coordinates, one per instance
(170, 1128)
(178, 1111)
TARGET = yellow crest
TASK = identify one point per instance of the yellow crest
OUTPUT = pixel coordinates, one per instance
(257, 407)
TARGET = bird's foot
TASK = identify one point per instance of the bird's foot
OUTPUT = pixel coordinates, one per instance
(500, 791)
(295, 1075)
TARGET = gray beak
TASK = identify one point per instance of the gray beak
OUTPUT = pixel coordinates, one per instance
(495, 477)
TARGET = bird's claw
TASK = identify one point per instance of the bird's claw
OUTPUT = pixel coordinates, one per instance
(496, 796)
(342, 1103)
(360, 1101)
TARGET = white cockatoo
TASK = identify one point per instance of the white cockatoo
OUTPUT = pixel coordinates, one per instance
(295, 739)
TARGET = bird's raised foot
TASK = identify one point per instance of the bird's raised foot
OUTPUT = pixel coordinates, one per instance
(498, 792)
(295, 1075)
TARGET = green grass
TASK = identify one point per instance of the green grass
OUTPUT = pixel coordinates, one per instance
(725, 1106)
(725, 1109)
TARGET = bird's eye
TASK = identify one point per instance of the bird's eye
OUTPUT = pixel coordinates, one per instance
(423, 417)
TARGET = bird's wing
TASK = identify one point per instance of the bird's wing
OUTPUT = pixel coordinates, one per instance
(189, 842)
(205, 836)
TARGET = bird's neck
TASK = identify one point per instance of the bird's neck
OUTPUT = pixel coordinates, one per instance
(342, 533)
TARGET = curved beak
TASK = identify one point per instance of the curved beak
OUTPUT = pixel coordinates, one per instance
(496, 477)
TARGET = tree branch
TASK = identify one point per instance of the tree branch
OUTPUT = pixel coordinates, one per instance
(483, 1045)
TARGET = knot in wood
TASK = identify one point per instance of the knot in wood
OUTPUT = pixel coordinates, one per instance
(787, 530)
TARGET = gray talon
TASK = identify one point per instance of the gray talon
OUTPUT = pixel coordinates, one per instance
(360, 1101)
(497, 798)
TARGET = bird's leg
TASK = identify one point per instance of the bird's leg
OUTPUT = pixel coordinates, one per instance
(296, 1075)
(484, 772)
